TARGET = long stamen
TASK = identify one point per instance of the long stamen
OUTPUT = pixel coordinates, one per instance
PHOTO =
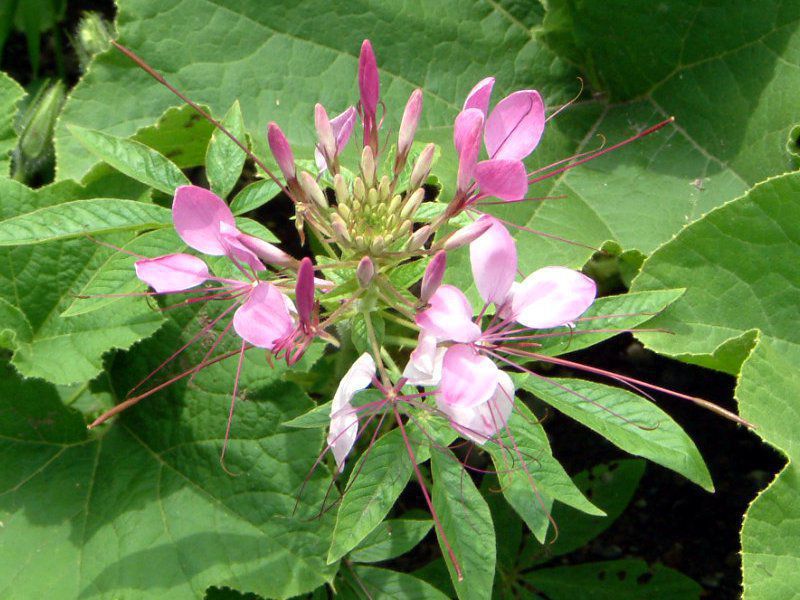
(230, 412)
(600, 153)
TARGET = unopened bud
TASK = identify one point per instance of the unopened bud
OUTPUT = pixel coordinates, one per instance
(404, 229)
(340, 187)
(344, 210)
(383, 188)
(340, 228)
(368, 166)
(418, 238)
(412, 203)
(394, 204)
(468, 233)
(359, 191)
(35, 145)
(327, 140)
(312, 190)
(432, 279)
(368, 79)
(92, 37)
(408, 126)
(365, 271)
(304, 291)
(372, 197)
(279, 146)
(378, 244)
(422, 167)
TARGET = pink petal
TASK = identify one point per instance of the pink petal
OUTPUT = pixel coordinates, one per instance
(368, 78)
(468, 233)
(342, 125)
(468, 378)
(502, 178)
(449, 316)
(172, 273)
(238, 251)
(263, 319)
(266, 251)
(197, 215)
(344, 422)
(482, 422)
(479, 96)
(493, 257)
(327, 140)
(515, 126)
(552, 296)
(425, 363)
(467, 139)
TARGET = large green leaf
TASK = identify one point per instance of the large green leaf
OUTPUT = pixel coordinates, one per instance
(739, 265)
(467, 525)
(391, 538)
(40, 281)
(383, 583)
(224, 158)
(627, 420)
(143, 509)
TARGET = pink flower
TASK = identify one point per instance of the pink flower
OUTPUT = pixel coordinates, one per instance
(472, 391)
(510, 133)
(204, 222)
(343, 429)
(369, 87)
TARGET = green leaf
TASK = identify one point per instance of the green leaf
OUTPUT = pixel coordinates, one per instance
(10, 96)
(391, 538)
(738, 264)
(378, 477)
(467, 525)
(627, 420)
(610, 314)
(626, 579)
(319, 416)
(132, 158)
(224, 159)
(80, 218)
(611, 486)
(40, 281)
(530, 477)
(143, 509)
(383, 583)
(180, 134)
(254, 196)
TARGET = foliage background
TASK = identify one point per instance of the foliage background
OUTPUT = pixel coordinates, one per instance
(705, 205)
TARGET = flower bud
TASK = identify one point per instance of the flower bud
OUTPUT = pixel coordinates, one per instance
(327, 140)
(432, 279)
(279, 146)
(312, 190)
(340, 187)
(468, 233)
(368, 79)
(412, 203)
(422, 167)
(368, 166)
(365, 271)
(418, 238)
(304, 291)
(408, 126)
(340, 228)
(359, 190)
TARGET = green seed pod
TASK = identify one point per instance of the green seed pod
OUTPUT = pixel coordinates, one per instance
(35, 128)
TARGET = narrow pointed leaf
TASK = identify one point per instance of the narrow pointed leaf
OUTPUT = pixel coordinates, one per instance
(467, 524)
(132, 158)
(225, 159)
(391, 538)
